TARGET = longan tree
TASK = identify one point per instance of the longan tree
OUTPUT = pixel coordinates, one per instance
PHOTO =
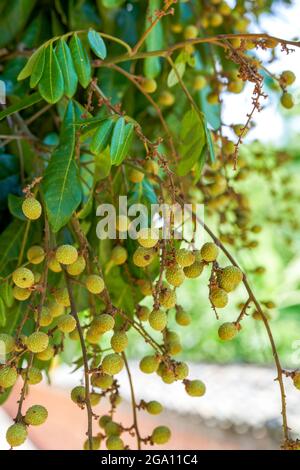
(114, 98)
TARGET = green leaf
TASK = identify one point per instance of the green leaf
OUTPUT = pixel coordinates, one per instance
(13, 18)
(10, 243)
(2, 313)
(15, 206)
(81, 61)
(21, 104)
(38, 68)
(101, 137)
(112, 3)
(210, 145)
(154, 41)
(103, 165)
(97, 44)
(6, 293)
(180, 66)
(121, 140)
(61, 184)
(65, 61)
(28, 68)
(51, 86)
(192, 139)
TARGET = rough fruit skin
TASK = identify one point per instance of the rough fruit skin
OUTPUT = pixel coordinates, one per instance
(66, 254)
(95, 398)
(296, 380)
(145, 286)
(229, 278)
(151, 166)
(62, 297)
(66, 323)
(142, 257)
(166, 98)
(36, 415)
(96, 443)
(34, 375)
(103, 381)
(185, 257)
(46, 355)
(16, 435)
(114, 443)
(288, 77)
(287, 100)
(37, 342)
(23, 278)
(199, 82)
(54, 265)
(104, 420)
(8, 341)
(209, 252)
(149, 364)
(103, 323)
(78, 267)
(119, 255)
(112, 364)
(143, 313)
(45, 317)
(158, 320)
(35, 254)
(182, 318)
(8, 377)
(227, 331)
(160, 435)
(94, 284)
(175, 275)
(154, 407)
(92, 336)
(78, 395)
(119, 341)
(167, 298)
(74, 335)
(190, 32)
(181, 370)
(194, 270)
(148, 238)
(195, 388)
(21, 294)
(112, 429)
(31, 208)
(218, 297)
(136, 176)
(56, 309)
(149, 85)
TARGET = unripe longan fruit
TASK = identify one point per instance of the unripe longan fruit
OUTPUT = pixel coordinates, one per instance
(195, 388)
(161, 435)
(212, 98)
(23, 278)
(296, 380)
(119, 341)
(158, 319)
(142, 257)
(45, 317)
(235, 86)
(35, 254)
(148, 85)
(154, 407)
(167, 374)
(112, 429)
(8, 377)
(119, 255)
(176, 28)
(104, 420)
(34, 375)
(31, 208)
(66, 323)
(78, 395)
(112, 364)
(216, 20)
(136, 176)
(145, 286)
(190, 32)
(95, 398)
(166, 98)
(151, 166)
(218, 297)
(185, 257)
(76, 268)
(209, 252)
(92, 336)
(100, 380)
(143, 313)
(174, 347)
(287, 100)
(21, 294)
(229, 278)
(96, 443)
(181, 370)
(199, 83)
(148, 238)
(227, 331)
(182, 318)
(103, 323)
(194, 270)
(74, 335)
(288, 77)
(66, 254)
(54, 265)
(167, 298)
(114, 443)
(8, 342)
(16, 435)
(56, 309)
(36, 415)
(149, 364)
(37, 342)
(175, 275)
(47, 354)
(62, 297)
(94, 284)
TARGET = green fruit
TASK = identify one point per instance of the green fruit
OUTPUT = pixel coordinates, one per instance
(92, 336)
(66, 254)
(209, 252)
(103, 323)
(149, 85)
(76, 268)
(96, 443)
(287, 100)
(119, 341)
(145, 286)
(8, 343)
(154, 407)
(218, 297)
(62, 297)
(142, 257)
(34, 375)
(94, 284)
(37, 342)
(229, 278)
(142, 313)
(167, 375)
(114, 443)
(74, 335)
(195, 388)
(95, 398)
(296, 380)
(160, 435)
(16, 435)
(112, 364)
(185, 257)
(182, 318)
(103, 381)
(148, 237)
(23, 278)
(21, 294)
(112, 429)
(194, 270)
(104, 420)
(35, 254)
(167, 298)
(199, 83)
(8, 377)
(190, 32)
(166, 98)
(31, 208)
(288, 77)
(78, 395)
(119, 255)
(54, 265)
(158, 320)
(181, 370)
(175, 275)
(36, 415)
(47, 354)
(45, 317)
(66, 323)
(136, 176)
(56, 309)
(149, 364)
(227, 331)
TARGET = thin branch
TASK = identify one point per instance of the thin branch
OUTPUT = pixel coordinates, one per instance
(133, 403)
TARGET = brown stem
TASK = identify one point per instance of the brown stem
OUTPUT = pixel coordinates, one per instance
(133, 403)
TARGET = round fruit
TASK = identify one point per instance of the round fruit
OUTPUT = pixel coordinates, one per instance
(287, 100)
(195, 388)
(174, 347)
(166, 99)
(227, 331)
(199, 82)
(104, 420)
(149, 85)
(145, 286)
(158, 319)
(78, 395)
(112, 429)
(36, 415)
(92, 336)
(114, 443)
(216, 20)
(74, 335)
(23, 278)
(112, 364)
(119, 341)
(175, 275)
(142, 313)
(151, 166)
(96, 443)
(54, 265)
(95, 398)
(56, 309)
(209, 252)
(136, 176)
(8, 377)
(47, 354)
(161, 435)
(8, 342)
(103, 323)
(94, 284)
(62, 297)
(45, 317)
(16, 434)
(229, 278)
(296, 380)
(288, 77)
(78, 267)
(148, 237)
(218, 297)
(34, 375)
(194, 270)
(66, 254)
(37, 342)
(35, 254)
(167, 298)
(31, 208)
(190, 32)
(119, 255)
(66, 323)
(185, 257)
(182, 318)
(103, 381)
(21, 294)
(142, 257)
(154, 407)
(181, 370)
(149, 364)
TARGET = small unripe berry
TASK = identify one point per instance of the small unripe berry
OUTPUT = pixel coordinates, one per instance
(119, 341)
(148, 237)
(8, 342)
(175, 275)
(151, 166)
(94, 284)
(92, 336)
(16, 435)
(31, 208)
(160, 435)
(66, 254)
(167, 298)
(149, 364)
(78, 395)
(34, 375)
(142, 257)
(288, 77)
(148, 85)
(136, 176)
(21, 294)
(119, 255)
(45, 317)
(176, 28)
(227, 331)
(112, 364)
(37, 342)
(103, 381)
(168, 375)
(95, 398)
(35, 254)
(158, 319)
(212, 98)
(166, 99)
(104, 420)
(23, 278)
(154, 407)
(76, 268)
(54, 265)
(296, 380)
(199, 82)
(185, 257)
(216, 20)
(112, 429)
(287, 100)
(74, 335)
(36, 415)
(235, 86)
(190, 32)
(103, 323)
(218, 297)
(66, 323)
(173, 345)
(195, 388)
(114, 443)
(142, 313)
(182, 318)
(229, 278)
(181, 370)
(8, 377)
(56, 309)
(194, 270)
(96, 443)
(145, 286)
(62, 297)
(47, 354)
(209, 252)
